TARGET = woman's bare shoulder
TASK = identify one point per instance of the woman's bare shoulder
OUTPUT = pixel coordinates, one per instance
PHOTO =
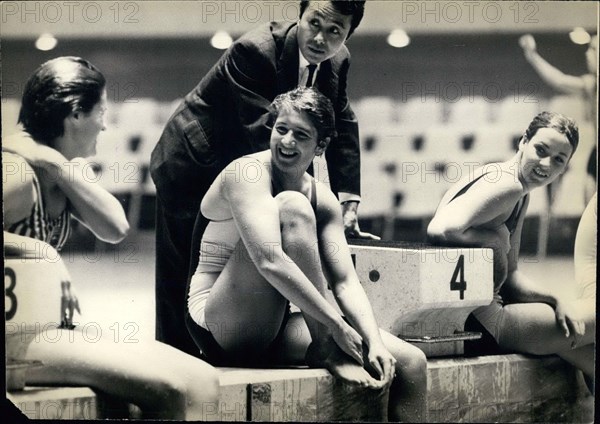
(493, 181)
(248, 177)
(19, 193)
(16, 170)
(246, 169)
(501, 178)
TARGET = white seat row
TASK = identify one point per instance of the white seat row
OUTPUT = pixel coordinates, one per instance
(407, 152)
(513, 112)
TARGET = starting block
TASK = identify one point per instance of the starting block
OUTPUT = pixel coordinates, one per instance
(34, 275)
(34, 278)
(424, 294)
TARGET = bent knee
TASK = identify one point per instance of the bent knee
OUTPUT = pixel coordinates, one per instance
(165, 395)
(412, 361)
(203, 383)
(533, 336)
(294, 209)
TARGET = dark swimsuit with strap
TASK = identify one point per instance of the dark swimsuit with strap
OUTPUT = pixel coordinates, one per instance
(511, 222)
(313, 195)
(478, 320)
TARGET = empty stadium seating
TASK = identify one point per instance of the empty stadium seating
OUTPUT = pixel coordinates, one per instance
(515, 112)
(381, 156)
(473, 110)
(412, 149)
(375, 110)
(419, 113)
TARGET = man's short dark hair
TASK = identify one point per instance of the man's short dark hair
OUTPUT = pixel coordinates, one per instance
(356, 8)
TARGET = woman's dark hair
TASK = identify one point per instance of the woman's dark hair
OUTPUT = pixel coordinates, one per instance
(355, 8)
(560, 123)
(318, 108)
(57, 88)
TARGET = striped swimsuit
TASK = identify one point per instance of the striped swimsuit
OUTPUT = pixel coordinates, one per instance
(39, 225)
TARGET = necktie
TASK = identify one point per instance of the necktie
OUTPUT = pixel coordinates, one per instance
(311, 73)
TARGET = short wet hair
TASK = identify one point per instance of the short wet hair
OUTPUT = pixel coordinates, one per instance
(56, 89)
(561, 123)
(317, 107)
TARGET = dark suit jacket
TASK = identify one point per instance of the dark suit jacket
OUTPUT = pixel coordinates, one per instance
(224, 117)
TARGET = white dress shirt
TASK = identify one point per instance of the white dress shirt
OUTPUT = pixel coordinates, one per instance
(302, 80)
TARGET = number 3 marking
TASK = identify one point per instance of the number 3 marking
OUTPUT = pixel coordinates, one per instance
(9, 274)
(458, 278)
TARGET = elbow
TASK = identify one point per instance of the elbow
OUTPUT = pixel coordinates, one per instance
(342, 289)
(121, 230)
(117, 232)
(434, 231)
(272, 266)
(267, 267)
(439, 232)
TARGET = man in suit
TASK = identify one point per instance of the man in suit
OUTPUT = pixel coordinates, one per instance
(224, 117)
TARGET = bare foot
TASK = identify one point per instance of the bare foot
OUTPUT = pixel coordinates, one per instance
(340, 365)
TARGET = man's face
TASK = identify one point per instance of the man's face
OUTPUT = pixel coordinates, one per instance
(322, 31)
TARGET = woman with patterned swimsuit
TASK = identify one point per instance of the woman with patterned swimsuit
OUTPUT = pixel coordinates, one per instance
(45, 187)
(276, 237)
(488, 209)
(39, 225)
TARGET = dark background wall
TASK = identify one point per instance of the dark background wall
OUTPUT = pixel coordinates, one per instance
(165, 69)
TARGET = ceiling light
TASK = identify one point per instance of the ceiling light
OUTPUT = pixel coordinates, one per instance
(579, 36)
(46, 42)
(221, 40)
(398, 38)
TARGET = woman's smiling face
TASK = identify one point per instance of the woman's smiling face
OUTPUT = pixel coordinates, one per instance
(544, 157)
(293, 140)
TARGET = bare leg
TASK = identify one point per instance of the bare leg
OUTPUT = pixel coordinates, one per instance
(297, 349)
(163, 381)
(295, 341)
(299, 238)
(532, 328)
(300, 243)
(244, 311)
(582, 358)
(408, 392)
(500, 266)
